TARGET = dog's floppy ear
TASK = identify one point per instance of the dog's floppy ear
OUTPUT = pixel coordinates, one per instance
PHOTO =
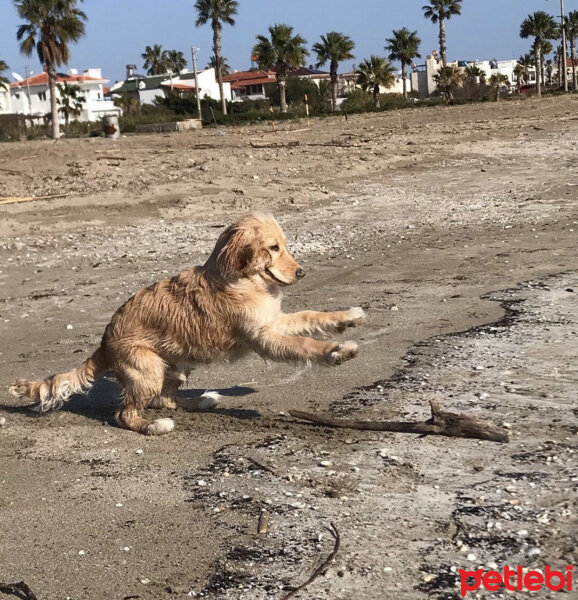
(235, 251)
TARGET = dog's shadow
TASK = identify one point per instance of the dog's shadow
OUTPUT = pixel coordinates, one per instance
(102, 400)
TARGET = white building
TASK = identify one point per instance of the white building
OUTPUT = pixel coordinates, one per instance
(422, 78)
(5, 101)
(32, 96)
(145, 88)
(502, 67)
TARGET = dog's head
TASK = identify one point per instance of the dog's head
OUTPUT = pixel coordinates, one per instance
(255, 246)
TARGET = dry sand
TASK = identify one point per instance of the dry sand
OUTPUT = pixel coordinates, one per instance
(455, 228)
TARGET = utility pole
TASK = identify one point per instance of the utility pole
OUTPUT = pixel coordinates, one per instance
(197, 89)
(28, 74)
(563, 29)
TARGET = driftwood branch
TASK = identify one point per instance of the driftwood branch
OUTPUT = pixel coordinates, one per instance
(20, 590)
(322, 568)
(441, 423)
(16, 199)
(291, 144)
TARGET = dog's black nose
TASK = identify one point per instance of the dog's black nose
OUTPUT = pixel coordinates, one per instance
(300, 273)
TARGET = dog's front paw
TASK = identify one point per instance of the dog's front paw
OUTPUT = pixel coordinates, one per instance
(355, 317)
(342, 352)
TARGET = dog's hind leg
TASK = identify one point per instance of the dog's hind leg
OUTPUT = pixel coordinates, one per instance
(143, 381)
(168, 396)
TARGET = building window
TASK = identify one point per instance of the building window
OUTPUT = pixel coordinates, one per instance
(42, 96)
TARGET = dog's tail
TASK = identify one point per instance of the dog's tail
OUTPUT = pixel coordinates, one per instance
(55, 390)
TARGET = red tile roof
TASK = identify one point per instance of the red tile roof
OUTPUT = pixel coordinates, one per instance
(179, 86)
(42, 79)
(252, 76)
(247, 82)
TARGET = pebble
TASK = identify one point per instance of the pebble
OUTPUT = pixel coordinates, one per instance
(2, 421)
(471, 557)
(201, 483)
(533, 551)
(522, 532)
(69, 326)
(325, 463)
(81, 552)
(139, 451)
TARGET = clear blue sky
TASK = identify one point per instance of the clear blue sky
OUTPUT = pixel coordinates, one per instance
(117, 31)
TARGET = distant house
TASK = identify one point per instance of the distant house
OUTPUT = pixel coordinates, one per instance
(249, 85)
(5, 100)
(311, 73)
(145, 88)
(422, 78)
(32, 97)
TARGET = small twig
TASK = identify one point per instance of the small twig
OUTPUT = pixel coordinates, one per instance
(111, 158)
(263, 523)
(321, 569)
(291, 144)
(19, 589)
(441, 423)
(16, 199)
(261, 466)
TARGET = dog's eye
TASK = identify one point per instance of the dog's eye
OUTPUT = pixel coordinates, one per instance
(275, 248)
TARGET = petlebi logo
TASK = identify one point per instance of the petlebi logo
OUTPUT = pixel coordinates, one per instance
(515, 579)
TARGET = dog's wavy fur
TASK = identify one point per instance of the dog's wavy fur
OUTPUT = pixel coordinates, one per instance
(221, 311)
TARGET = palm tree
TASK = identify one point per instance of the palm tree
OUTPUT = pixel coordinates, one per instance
(374, 73)
(334, 47)
(520, 73)
(499, 80)
(439, 11)
(542, 27)
(526, 61)
(572, 32)
(174, 60)
(71, 100)
(559, 56)
(51, 26)
(282, 51)
(448, 78)
(128, 104)
(475, 74)
(403, 46)
(3, 80)
(547, 47)
(154, 60)
(217, 12)
(212, 64)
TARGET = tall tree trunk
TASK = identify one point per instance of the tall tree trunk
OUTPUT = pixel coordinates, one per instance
(538, 56)
(51, 70)
(404, 76)
(376, 95)
(443, 49)
(282, 89)
(333, 85)
(219, 63)
(573, 54)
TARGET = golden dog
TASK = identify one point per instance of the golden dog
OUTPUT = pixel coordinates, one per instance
(220, 311)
